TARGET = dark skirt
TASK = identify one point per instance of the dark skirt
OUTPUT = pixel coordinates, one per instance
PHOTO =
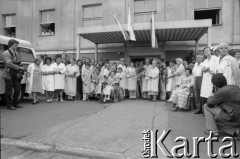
(79, 86)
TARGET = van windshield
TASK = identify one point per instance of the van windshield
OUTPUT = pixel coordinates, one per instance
(25, 54)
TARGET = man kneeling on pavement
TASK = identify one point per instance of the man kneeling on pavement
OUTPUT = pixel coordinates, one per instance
(222, 110)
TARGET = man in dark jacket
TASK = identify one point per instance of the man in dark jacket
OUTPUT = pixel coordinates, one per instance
(222, 110)
(11, 75)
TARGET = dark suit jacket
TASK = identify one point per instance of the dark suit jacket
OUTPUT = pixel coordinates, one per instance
(9, 64)
(228, 98)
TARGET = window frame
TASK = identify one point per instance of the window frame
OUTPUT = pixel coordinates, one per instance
(47, 23)
(215, 8)
(5, 28)
(144, 13)
(92, 19)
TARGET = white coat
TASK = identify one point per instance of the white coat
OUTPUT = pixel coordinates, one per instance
(147, 69)
(230, 69)
(207, 86)
(122, 80)
(48, 80)
(179, 73)
(152, 85)
(59, 79)
(170, 81)
(71, 82)
(29, 83)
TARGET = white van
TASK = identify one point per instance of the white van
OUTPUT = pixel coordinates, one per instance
(27, 55)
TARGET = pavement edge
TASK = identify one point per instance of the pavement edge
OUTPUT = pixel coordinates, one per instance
(63, 149)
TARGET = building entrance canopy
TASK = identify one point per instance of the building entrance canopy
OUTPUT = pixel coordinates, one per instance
(187, 30)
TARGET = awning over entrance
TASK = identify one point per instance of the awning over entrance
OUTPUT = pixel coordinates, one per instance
(165, 31)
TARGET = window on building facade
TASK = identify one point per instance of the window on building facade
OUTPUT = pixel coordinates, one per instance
(47, 24)
(214, 14)
(92, 15)
(10, 25)
(143, 10)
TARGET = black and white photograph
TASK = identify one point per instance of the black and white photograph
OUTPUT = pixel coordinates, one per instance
(120, 79)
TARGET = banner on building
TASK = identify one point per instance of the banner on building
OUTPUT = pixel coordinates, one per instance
(130, 28)
(125, 35)
(153, 34)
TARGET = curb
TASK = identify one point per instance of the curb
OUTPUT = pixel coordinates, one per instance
(67, 150)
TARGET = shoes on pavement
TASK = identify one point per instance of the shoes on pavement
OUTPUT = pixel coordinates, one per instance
(11, 108)
(198, 112)
(174, 108)
(33, 103)
(48, 101)
(18, 106)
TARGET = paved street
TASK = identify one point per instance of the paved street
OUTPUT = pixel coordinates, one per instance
(34, 118)
(116, 129)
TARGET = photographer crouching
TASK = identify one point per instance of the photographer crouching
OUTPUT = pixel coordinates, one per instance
(222, 110)
(13, 72)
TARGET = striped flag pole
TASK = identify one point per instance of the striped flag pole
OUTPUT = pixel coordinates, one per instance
(125, 35)
(153, 35)
(130, 28)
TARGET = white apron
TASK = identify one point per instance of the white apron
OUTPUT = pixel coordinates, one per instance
(59, 79)
(48, 80)
(147, 69)
(152, 85)
(207, 86)
(71, 82)
(229, 67)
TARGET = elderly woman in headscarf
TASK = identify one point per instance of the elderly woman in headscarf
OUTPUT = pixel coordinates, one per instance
(179, 73)
(228, 65)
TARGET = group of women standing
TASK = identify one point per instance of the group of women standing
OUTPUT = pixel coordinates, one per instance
(84, 78)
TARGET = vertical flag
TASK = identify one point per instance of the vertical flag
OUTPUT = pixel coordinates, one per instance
(153, 35)
(125, 35)
(130, 28)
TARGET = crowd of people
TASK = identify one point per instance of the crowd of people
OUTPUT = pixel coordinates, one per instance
(211, 78)
(149, 79)
(62, 76)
